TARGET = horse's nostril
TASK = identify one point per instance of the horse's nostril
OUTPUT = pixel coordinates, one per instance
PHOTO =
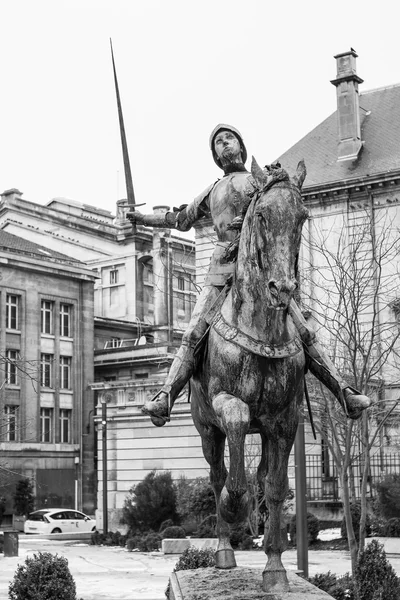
(272, 286)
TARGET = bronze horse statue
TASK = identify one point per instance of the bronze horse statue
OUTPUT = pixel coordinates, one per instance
(251, 377)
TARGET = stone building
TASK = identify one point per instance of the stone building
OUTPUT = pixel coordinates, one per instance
(144, 291)
(46, 366)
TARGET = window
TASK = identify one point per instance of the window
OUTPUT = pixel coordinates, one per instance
(65, 372)
(65, 426)
(46, 424)
(11, 422)
(12, 309)
(46, 370)
(46, 317)
(113, 276)
(181, 296)
(11, 367)
(65, 320)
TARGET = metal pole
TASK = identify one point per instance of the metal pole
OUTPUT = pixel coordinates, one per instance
(104, 447)
(76, 481)
(301, 498)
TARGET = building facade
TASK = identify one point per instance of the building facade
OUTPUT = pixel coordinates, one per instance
(46, 366)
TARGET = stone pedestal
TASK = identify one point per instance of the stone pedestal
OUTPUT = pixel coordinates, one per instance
(241, 583)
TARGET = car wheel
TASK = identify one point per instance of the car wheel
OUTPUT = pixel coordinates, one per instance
(56, 530)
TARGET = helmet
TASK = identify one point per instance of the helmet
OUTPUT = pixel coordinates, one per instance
(223, 127)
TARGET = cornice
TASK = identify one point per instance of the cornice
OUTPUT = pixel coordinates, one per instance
(335, 189)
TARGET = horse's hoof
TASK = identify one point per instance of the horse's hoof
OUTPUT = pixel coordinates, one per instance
(275, 582)
(225, 559)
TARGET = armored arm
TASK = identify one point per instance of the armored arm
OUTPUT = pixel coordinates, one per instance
(162, 220)
(182, 218)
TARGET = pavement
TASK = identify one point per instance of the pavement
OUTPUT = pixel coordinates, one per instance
(111, 573)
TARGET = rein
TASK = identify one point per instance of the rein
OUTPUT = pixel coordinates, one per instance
(236, 336)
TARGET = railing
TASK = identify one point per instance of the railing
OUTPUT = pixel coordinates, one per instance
(323, 480)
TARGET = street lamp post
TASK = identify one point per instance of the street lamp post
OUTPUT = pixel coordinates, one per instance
(76, 481)
(301, 498)
(104, 448)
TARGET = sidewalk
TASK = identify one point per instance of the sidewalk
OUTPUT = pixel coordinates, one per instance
(110, 573)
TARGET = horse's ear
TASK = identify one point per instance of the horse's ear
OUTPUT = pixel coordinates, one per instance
(259, 175)
(300, 174)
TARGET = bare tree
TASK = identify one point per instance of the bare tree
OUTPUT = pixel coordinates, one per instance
(350, 282)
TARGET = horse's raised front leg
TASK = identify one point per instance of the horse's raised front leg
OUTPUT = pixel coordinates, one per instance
(234, 419)
(278, 450)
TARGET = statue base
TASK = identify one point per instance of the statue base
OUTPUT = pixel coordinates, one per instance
(237, 584)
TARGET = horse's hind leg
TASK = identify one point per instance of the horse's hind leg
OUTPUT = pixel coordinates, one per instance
(234, 420)
(274, 576)
(213, 441)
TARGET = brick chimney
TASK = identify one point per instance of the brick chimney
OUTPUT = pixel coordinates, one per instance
(348, 108)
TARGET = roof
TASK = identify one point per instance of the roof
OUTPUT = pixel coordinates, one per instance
(380, 132)
(14, 243)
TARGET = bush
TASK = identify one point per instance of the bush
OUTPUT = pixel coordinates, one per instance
(151, 502)
(152, 542)
(240, 538)
(355, 511)
(43, 577)
(388, 496)
(132, 543)
(375, 576)
(108, 539)
(340, 588)
(195, 497)
(193, 558)
(313, 528)
(165, 524)
(24, 499)
(392, 528)
(173, 532)
(207, 528)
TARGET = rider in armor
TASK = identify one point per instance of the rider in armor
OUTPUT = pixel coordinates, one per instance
(226, 201)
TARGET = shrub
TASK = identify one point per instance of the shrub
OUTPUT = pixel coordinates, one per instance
(240, 538)
(392, 528)
(207, 528)
(340, 588)
(112, 538)
(43, 577)
(24, 499)
(173, 532)
(2, 507)
(313, 528)
(195, 497)
(165, 524)
(193, 558)
(378, 525)
(375, 576)
(151, 502)
(151, 542)
(132, 543)
(388, 496)
(355, 511)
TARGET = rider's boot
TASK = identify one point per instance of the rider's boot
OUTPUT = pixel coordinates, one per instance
(325, 371)
(159, 408)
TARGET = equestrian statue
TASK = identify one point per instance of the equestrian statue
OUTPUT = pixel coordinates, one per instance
(247, 346)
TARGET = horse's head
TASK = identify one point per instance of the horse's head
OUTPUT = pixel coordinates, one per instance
(271, 235)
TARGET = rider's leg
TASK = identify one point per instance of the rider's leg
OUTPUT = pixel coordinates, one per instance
(181, 370)
(323, 368)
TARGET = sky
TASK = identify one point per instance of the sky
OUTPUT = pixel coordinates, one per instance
(183, 66)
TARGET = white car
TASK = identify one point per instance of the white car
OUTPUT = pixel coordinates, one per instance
(58, 520)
